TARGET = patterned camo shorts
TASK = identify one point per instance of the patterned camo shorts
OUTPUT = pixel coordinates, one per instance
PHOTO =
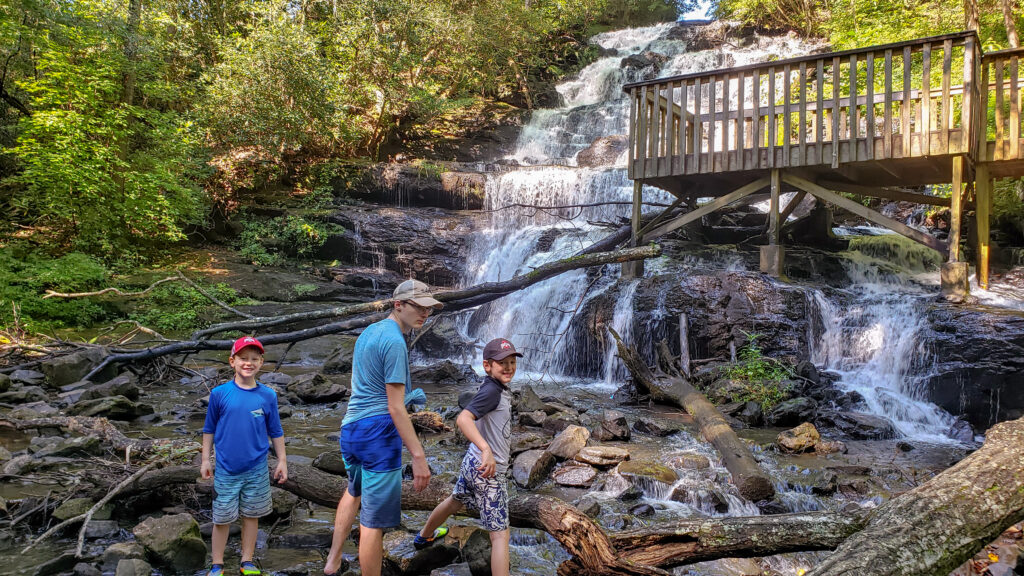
(489, 496)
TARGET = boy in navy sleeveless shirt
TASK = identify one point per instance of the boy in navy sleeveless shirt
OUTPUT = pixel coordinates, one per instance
(487, 424)
(241, 420)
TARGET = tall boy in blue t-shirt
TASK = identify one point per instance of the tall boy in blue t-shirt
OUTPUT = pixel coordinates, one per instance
(240, 418)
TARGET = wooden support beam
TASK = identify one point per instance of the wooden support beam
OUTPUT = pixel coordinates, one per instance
(632, 269)
(773, 209)
(785, 214)
(866, 213)
(897, 194)
(956, 209)
(707, 208)
(983, 191)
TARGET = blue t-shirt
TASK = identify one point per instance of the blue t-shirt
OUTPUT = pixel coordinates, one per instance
(242, 421)
(381, 357)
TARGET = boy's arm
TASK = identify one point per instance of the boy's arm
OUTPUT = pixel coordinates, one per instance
(467, 424)
(281, 471)
(400, 416)
(205, 470)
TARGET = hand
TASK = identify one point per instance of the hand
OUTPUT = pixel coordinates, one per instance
(281, 472)
(205, 470)
(420, 473)
(489, 466)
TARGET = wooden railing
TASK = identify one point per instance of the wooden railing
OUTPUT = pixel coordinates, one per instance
(1002, 81)
(904, 100)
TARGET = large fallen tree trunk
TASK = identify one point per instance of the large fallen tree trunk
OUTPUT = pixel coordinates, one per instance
(939, 525)
(454, 300)
(751, 481)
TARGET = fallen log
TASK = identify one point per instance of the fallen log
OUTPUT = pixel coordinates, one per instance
(104, 430)
(751, 481)
(939, 525)
(372, 311)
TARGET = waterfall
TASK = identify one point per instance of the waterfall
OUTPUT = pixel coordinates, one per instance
(546, 172)
(871, 335)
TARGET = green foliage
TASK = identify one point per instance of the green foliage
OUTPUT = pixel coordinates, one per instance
(1008, 201)
(763, 378)
(24, 278)
(899, 250)
(177, 307)
(272, 242)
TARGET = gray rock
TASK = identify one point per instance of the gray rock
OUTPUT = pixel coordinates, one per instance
(445, 373)
(634, 470)
(206, 529)
(63, 370)
(63, 563)
(531, 468)
(283, 501)
(792, 412)
(589, 505)
(962, 431)
(114, 407)
(5, 454)
(751, 414)
(460, 569)
(78, 506)
(535, 419)
(331, 462)
(689, 461)
(528, 401)
(402, 558)
(574, 474)
(1001, 569)
(30, 377)
(5, 383)
(72, 447)
(528, 441)
(24, 394)
(316, 388)
(477, 553)
(136, 567)
(642, 510)
(340, 361)
(86, 569)
(652, 428)
(124, 385)
(102, 529)
(857, 425)
(120, 551)
(174, 541)
(569, 442)
(613, 426)
(602, 455)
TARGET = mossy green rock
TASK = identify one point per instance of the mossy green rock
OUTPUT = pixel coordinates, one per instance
(78, 506)
(633, 469)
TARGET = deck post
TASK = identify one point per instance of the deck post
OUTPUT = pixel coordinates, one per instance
(954, 275)
(635, 269)
(983, 193)
(772, 254)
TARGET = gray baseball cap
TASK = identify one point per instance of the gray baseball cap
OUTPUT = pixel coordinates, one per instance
(417, 292)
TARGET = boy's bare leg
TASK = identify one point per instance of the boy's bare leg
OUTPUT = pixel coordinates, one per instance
(348, 507)
(499, 553)
(219, 541)
(441, 513)
(371, 550)
(250, 529)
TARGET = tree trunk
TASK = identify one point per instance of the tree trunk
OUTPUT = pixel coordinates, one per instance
(971, 15)
(752, 483)
(1010, 22)
(939, 525)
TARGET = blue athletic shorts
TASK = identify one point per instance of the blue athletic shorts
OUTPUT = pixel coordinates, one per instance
(246, 494)
(372, 450)
(489, 496)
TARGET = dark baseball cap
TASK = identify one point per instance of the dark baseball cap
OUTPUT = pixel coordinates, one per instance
(499, 349)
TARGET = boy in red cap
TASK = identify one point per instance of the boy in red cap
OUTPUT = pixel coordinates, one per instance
(241, 420)
(487, 424)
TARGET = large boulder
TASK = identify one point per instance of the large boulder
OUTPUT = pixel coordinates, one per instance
(133, 567)
(477, 553)
(316, 388)
(340, 361)
(689, 461)
(799, 439)
(173, 541)
(531, 468)
(78, 506)
(123, 385)
(529, 441)
(401, 558)
(444, 373)
(113, 407)
(634, 470)
(568, 443)
(23, 395)
(63, 370)
(120, 551)
(330, 462)
(602, 456)
(71, 448)
(857, 425)
(528, 401)
(5, 382)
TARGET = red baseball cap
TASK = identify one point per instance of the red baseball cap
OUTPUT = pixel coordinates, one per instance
(244, 342)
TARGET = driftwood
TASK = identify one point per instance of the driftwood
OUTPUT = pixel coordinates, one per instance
(102, 429)
(372, 311)
(751, 481)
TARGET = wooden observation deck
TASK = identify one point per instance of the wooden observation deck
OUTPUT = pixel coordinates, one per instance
(871, 121)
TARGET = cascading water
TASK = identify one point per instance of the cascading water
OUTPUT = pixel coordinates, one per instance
(873, 340)
(549, 175)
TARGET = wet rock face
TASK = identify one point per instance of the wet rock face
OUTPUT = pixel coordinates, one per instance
(603, 152)
(979, 363)
(428, 244)
(721, 307)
